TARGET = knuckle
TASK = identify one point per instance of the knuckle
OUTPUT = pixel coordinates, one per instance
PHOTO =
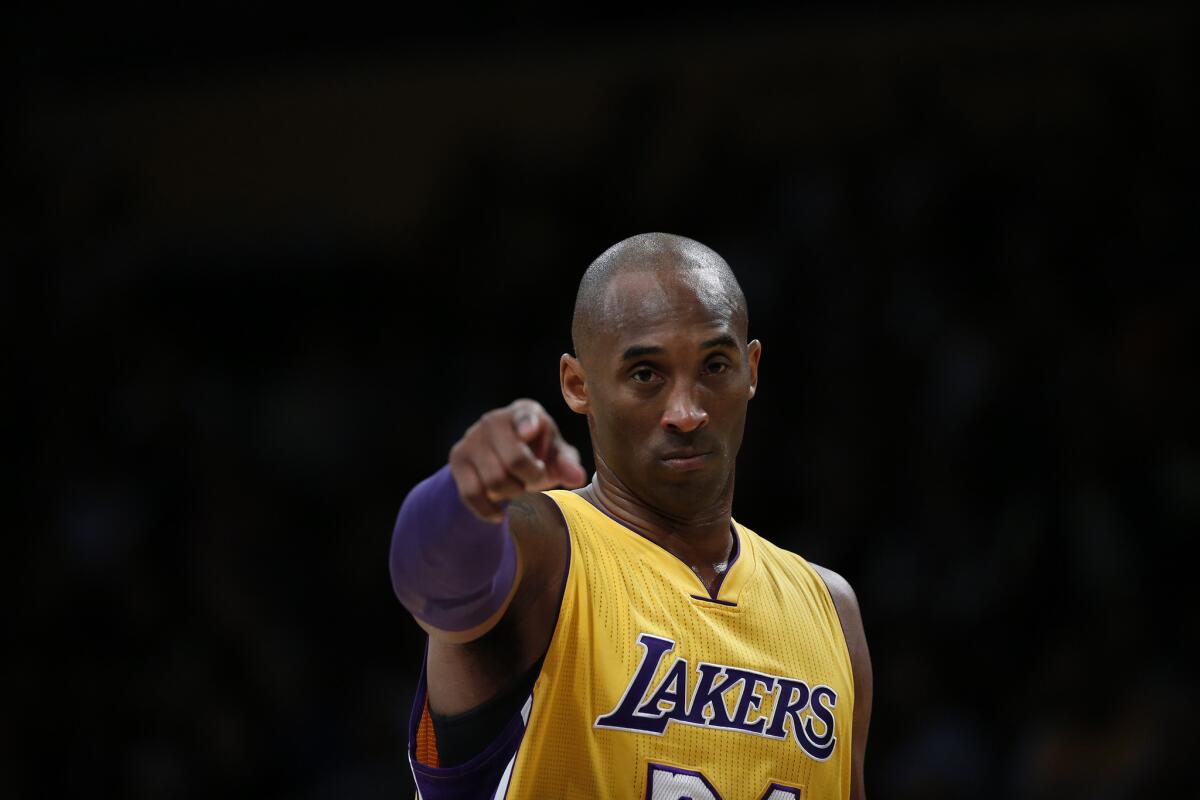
(464, 452)
(467, 484)
(500, 422)
(519, 457)
(493, 478)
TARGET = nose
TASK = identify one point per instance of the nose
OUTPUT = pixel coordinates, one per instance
(684, 413)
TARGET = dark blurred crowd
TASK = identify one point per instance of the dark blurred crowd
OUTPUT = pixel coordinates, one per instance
(969, 250)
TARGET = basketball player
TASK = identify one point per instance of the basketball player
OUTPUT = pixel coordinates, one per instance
(627, 638)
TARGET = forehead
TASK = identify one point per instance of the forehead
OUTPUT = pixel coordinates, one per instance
(661, 304)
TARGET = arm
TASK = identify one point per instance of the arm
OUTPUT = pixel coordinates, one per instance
(846, 603)
(476, 550)
(454, 572)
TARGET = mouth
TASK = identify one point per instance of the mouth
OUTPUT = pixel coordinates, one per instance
(684, 460)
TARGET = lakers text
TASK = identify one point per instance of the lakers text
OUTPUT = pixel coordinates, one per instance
(723, 697)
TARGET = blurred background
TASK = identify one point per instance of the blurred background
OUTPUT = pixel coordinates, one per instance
(261, 271)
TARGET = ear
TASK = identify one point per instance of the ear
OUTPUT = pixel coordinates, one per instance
(573, 382)
(754, 353)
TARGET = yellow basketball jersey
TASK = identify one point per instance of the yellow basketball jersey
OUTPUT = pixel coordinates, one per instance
(653, 689)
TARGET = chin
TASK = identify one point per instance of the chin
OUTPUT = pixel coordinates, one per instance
(703, 478)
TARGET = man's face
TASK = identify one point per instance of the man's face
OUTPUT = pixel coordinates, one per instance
(668, 380)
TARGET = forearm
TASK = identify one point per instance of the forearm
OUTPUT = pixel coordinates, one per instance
(453, 571)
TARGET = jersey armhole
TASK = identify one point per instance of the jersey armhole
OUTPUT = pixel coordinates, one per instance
(480, 776)
(837, 615)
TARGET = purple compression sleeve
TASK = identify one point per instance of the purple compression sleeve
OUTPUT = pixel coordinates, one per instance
(450, 569)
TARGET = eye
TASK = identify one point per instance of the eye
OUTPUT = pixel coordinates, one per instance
(717, 367)
(642, 375)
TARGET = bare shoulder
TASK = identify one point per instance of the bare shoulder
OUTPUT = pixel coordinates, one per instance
(534, 515)
(538, 528)
(844, 598)
(846, 603)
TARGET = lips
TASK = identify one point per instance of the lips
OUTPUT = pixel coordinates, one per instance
(683, 453)
(685, 459)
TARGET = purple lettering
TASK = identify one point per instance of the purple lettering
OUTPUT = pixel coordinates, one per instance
(673, 690)
(820, 747)
(749, 699)
(708, 696)
(624, 716)
(786, 707)
(649, 708)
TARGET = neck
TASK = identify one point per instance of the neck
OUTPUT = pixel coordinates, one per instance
(701, 537)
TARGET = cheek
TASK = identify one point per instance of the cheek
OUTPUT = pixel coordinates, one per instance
(734, 415)
(610, 425)
(626, 428)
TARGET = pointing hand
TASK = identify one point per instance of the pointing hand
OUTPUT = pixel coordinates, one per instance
(509, 452)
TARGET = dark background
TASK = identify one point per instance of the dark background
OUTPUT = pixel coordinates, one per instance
(262, 271)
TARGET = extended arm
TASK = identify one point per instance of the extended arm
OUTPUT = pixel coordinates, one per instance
(478, 555)
(454, 562)
(846, 603)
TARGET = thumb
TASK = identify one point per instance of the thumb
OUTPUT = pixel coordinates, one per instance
(566, 466)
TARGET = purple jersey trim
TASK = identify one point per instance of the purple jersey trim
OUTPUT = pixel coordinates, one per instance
(477, 779)
(713, 600)
(484, 776)
(737, 551)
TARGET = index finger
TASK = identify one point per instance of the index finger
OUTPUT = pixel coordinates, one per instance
(530, 420)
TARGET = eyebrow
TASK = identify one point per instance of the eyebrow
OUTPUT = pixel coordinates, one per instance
(639, 350)
(724, 340)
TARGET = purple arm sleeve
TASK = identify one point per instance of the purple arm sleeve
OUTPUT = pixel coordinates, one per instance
(450, 569)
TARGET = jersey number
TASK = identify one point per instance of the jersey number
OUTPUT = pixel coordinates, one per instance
(673, 783)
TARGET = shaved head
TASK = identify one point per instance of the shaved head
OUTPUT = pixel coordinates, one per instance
(667, 257)
(664, 371)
